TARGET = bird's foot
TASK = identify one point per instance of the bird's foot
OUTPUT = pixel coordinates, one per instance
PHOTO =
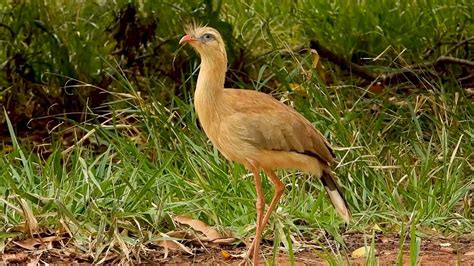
(246, 256)
(249, 255)
(243, 262)
(246, 260)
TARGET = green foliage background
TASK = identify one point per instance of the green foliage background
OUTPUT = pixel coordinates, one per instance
(108, 79)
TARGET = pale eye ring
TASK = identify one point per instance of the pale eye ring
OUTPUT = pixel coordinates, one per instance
(207, 37)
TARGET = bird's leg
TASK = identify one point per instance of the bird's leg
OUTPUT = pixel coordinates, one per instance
(279, 188)
(260, 206)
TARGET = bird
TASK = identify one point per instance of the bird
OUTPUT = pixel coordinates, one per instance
(256, 130)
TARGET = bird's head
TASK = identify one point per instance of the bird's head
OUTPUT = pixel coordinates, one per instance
(207, 42)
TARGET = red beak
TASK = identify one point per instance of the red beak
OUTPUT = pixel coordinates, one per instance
(186, 39)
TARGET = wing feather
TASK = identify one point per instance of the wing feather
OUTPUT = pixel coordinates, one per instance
(270, 124)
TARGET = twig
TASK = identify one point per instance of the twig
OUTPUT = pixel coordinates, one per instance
(454, 61)
(459, 44)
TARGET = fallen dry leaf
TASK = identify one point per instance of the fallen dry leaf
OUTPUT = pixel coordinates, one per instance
(198, 225)
(15, 258)
(50, 238)
(226, 241)
(37, 243)
(29, 244)
(362, 252)
(180, 234)
(470, 252)
(170, 244)
(165, 244)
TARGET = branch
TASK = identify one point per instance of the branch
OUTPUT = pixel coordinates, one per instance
(454, 61)
(410, 73)
(341, 61)
(457, 45)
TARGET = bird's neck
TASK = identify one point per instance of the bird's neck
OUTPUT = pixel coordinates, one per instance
(209, 89)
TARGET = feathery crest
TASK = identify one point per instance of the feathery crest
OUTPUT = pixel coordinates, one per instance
(190, 28)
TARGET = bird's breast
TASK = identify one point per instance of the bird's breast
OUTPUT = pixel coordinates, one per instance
(228, 143)
(213, 113)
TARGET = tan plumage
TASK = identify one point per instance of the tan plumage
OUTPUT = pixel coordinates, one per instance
(256, 130)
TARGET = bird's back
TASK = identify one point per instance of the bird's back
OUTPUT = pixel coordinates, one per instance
(253, 122)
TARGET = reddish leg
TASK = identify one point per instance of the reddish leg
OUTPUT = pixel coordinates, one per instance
(260, 206)
(279, 188)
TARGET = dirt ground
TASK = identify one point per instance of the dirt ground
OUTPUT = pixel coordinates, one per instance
(308, 258)
(434, 251)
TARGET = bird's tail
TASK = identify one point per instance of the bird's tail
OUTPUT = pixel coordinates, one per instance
(335, 194)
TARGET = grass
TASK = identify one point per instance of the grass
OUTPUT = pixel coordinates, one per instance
(405, 159)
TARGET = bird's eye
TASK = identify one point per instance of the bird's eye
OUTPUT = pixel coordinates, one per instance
(207, 37)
